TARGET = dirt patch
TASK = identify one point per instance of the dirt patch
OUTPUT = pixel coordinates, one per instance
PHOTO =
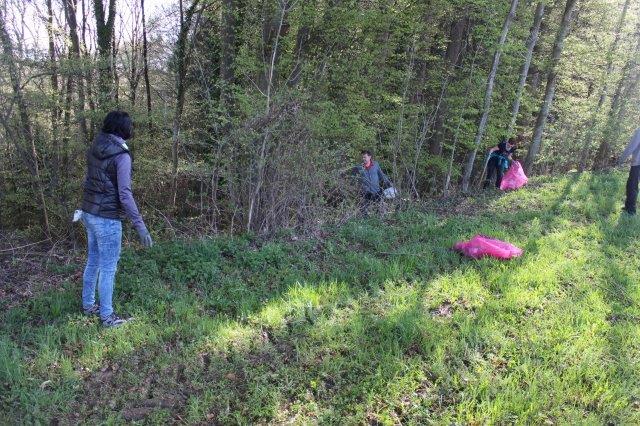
(28, 269)
(147, 407)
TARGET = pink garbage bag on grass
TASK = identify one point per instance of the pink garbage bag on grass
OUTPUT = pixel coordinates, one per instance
(480, 246)
(514, 178)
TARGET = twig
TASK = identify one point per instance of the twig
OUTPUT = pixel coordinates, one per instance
(24, 246)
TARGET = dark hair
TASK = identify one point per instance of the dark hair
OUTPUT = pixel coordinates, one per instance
(366, 151)
(118, 123)
(512, 141)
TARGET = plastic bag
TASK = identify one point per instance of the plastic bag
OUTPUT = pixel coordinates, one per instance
(514, 178)
(480, 246)
(390, 193)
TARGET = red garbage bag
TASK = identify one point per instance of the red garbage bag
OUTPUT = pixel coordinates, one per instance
(480, 246)
(514, 178)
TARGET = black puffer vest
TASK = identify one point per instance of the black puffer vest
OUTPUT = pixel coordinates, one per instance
(100, 195)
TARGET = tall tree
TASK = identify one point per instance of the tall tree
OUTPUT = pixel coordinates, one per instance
(452, 58)
(53, 68)
(468, 169)
(145, 64)
(182, 56)
(586, 148)
(531, 44)
(227, 54)
(552, 79)
(105, 21)
(75, 77)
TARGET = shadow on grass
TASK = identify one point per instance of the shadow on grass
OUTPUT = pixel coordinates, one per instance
(386, 325)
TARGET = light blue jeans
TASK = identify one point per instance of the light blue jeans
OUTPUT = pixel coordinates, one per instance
(104, 240)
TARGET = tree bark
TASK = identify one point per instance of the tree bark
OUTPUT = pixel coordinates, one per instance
(466, 179)
(552, 79)
(531, 44)
(104, 32)
(453, 57)
(584, 155)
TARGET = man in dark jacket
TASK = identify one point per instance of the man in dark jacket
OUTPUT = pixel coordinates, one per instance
(632, 150)
(107, 196)
(370, 175)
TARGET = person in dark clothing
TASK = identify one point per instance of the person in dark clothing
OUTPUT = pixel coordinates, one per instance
(370, 175)
(499, 158)
(107, 196)
(633, 150)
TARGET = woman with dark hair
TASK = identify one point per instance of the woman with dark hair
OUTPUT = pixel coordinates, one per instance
(499, 158)
(107, 196)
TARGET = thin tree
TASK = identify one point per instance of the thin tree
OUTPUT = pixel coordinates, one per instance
(531, 45)
(552, 80)
(55, 110)
(285, 6)
(468, 169)
(145, 62)
(70, 7)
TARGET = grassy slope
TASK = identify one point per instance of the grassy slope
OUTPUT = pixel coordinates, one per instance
(378, 322)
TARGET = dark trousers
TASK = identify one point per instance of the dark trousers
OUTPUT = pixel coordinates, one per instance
(493, 168)
(368, 199)
(632, 189)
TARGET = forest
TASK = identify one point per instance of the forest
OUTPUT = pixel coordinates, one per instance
(249, 114)
(269, 297)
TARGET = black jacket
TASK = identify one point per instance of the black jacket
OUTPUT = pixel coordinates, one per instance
(100, 196)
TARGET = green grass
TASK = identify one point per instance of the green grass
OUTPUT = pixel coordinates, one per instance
(377, 323)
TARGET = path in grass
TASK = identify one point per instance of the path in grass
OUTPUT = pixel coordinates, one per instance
(378, 322)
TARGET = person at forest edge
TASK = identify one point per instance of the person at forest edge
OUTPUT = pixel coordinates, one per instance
(633, 150)
(107, 195)
(370, 175)
(499, 158)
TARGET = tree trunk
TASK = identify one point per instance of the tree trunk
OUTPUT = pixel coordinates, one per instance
(302, 45)
(70, 15)
(447, 180)
(453, 57)
(182, 59)
(55, 90)
(227, 55)
(550, 90)
(145, 59)
(531, 44)
(466, 179)
(114, 70)
(25, 129)
(584, 155)
(104, 32)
